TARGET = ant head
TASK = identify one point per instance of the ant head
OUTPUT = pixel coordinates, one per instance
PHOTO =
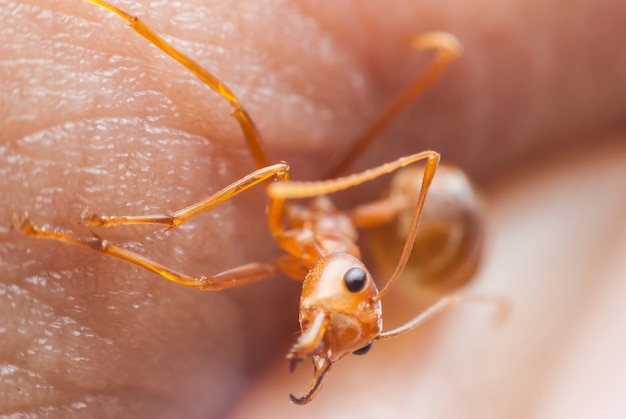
(340, 286)
(339, 315)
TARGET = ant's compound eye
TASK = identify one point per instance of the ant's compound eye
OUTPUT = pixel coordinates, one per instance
(355, 279)
(364, 349)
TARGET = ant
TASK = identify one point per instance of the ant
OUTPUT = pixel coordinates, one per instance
(340, 306)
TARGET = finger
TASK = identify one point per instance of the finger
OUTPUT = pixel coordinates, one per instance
(145, 119)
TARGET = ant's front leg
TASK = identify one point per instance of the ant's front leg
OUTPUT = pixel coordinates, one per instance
(280, 171)
(232, 278)
(241, 275)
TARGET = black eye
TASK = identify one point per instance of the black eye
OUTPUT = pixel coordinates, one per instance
(364, 349)
(355, 279)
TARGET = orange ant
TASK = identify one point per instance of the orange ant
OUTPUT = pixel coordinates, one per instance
(340, 306)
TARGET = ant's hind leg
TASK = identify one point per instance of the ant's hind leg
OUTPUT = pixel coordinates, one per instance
(241, 275)
(447, 48)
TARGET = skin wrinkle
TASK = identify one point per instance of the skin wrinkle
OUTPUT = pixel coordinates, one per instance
(203, 349)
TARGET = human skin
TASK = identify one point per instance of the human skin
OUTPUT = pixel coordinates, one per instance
(93, 116)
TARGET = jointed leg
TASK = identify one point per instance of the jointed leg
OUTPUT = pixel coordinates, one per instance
(253, 138)
(377, 213)
(292, 189)
(228, 279)
(447, 48)
(280, 171)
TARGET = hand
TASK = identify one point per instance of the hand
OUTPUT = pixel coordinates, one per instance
(93, 116)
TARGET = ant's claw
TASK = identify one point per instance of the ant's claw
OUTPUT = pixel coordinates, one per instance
(21, 222)
(17, 221)
(89, 217)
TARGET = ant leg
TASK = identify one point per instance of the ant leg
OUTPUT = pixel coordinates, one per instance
(280, 171)
(253, 138)
(447, 48)
(446, 303)
(377, 213)
(228, 279)
(232, 278)
(292, 189)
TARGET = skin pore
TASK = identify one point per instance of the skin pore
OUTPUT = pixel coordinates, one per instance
(94, 116)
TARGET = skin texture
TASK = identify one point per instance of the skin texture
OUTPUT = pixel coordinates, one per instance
(93, 116)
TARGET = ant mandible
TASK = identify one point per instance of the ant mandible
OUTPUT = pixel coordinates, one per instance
(340, 306)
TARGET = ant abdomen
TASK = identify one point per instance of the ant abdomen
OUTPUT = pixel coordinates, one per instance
(449, 241)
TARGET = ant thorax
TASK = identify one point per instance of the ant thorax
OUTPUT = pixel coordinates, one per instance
(322, 225)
